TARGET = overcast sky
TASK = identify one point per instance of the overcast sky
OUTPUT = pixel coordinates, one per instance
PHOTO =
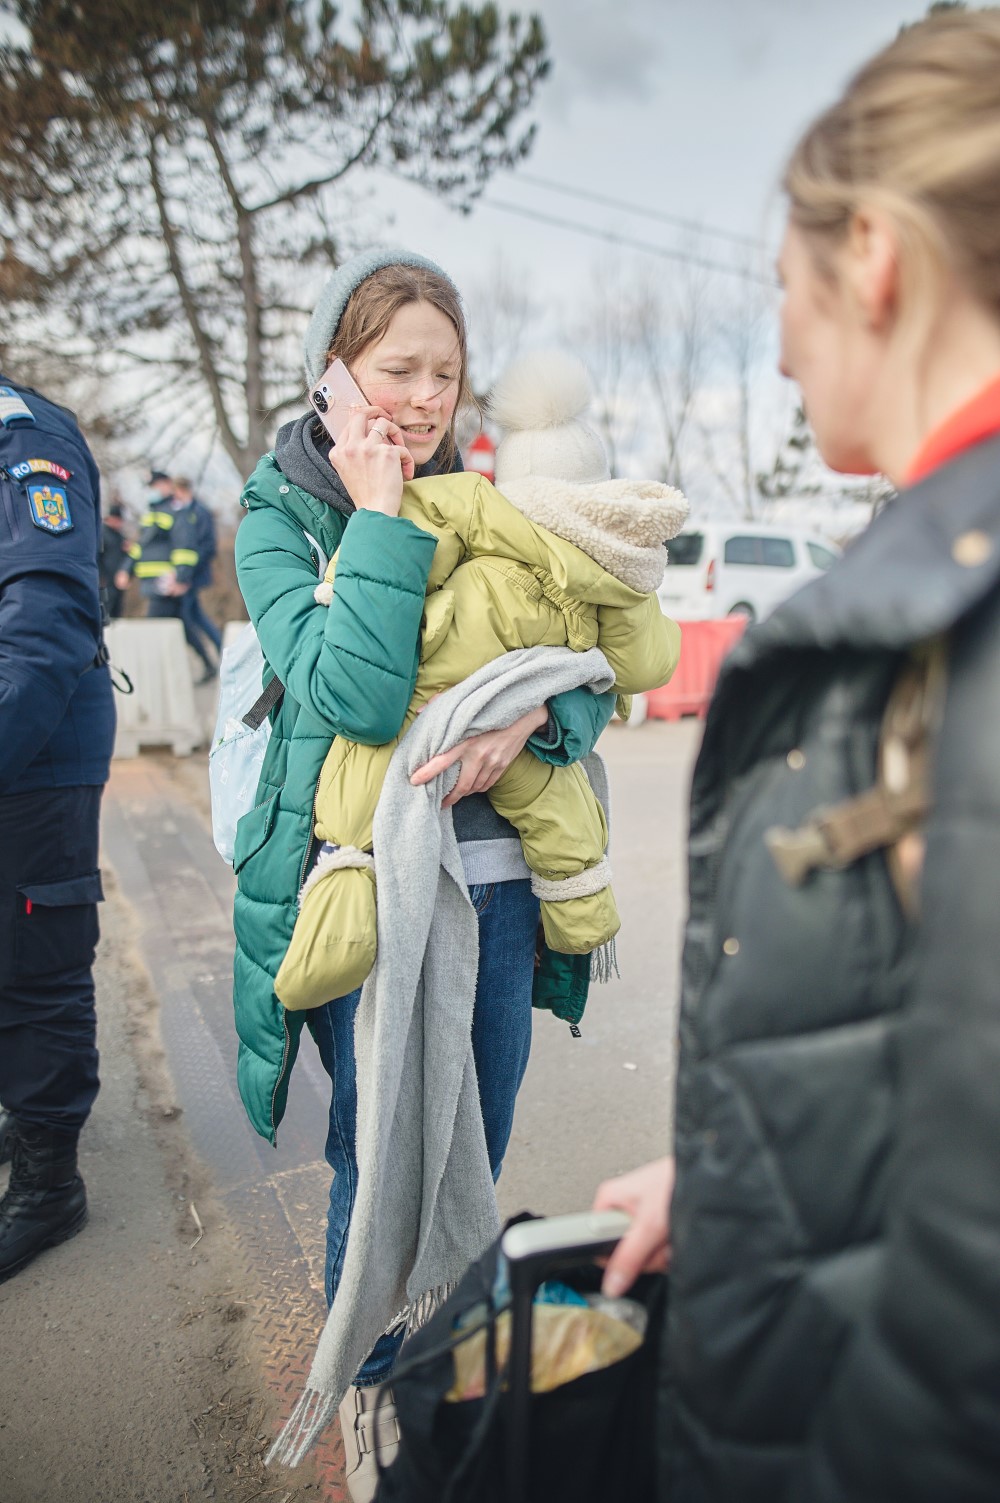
(684, 106)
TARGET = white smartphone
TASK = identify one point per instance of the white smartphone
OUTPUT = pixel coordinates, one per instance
(333, 396)
(548, 1239)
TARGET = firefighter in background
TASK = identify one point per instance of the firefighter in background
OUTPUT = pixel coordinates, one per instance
(166, 556)
(57, 728)
(195, 618)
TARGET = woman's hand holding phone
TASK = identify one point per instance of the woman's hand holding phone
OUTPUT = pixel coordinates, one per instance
(372, 460)
(369, 452)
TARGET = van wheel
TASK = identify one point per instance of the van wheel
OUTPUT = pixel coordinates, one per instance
(742, 608)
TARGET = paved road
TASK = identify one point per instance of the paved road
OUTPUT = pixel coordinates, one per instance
(593, 1106)
(589, 1106)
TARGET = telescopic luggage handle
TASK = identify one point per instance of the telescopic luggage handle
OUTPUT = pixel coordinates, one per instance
(536, 1251)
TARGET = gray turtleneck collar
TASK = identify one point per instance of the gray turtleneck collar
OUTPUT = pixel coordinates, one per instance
(302, 451)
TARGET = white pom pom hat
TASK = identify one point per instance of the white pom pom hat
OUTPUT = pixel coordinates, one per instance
(539, 402)
(552, 466)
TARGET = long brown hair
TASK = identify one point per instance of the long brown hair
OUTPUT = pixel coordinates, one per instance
(916, 133)
(371, 308)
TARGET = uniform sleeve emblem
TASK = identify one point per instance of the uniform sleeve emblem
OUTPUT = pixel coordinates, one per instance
(50, 507)
(37, 467)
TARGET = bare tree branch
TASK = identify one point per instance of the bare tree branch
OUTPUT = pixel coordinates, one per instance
(206, 360)
(326, 179)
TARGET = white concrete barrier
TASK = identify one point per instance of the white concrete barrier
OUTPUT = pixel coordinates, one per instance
(161, 711)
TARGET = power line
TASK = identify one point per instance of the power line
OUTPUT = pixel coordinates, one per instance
(641, 209)
(655, 250)
(665, 252)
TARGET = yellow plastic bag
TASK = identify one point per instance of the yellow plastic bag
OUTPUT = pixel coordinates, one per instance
(567, 1341)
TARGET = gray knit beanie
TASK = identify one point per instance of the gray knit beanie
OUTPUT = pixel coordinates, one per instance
(333, 299)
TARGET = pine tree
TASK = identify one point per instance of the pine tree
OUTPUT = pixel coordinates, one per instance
(175, 178)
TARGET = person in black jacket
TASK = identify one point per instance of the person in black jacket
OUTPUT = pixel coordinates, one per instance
(833, 1235)
(57, 728)
(114, 562)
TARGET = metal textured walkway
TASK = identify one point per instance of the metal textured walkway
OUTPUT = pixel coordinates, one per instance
(182, 892)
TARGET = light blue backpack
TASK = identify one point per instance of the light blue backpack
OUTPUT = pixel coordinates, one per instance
(241, 734)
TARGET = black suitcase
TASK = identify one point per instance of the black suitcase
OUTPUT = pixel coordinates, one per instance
(589, 1441)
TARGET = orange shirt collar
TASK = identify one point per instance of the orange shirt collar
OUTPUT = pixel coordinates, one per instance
(977, 420)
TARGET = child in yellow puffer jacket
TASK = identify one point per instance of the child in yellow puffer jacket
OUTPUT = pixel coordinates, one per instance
(559, 555)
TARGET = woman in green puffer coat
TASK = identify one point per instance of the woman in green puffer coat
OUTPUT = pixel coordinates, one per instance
(561, 555)
(396, 320)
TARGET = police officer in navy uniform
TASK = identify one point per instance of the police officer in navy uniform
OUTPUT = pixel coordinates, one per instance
(57, 726)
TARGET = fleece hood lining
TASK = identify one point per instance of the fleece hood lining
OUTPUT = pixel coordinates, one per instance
(621, 524)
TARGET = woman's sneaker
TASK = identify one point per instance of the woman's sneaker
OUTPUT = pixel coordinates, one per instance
(371, 1438)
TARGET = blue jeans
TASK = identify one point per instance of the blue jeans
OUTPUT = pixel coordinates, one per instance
(501, 1041)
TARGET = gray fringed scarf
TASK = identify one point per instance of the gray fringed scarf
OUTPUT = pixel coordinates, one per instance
(426, 1205)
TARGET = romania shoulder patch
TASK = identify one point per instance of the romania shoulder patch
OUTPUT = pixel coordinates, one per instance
(37, 467)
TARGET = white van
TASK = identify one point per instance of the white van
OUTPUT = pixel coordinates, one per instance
(738, 569)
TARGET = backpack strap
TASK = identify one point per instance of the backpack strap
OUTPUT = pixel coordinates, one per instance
(889, 816)
(261, 708)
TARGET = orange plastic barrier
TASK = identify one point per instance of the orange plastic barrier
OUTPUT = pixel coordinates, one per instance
(703, 646)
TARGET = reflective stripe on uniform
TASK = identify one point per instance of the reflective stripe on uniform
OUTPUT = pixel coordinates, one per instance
(153, 568)
(181, 556)
(162, 519)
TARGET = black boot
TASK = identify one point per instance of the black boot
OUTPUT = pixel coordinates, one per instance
(6, 1136)
(45, 1203)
